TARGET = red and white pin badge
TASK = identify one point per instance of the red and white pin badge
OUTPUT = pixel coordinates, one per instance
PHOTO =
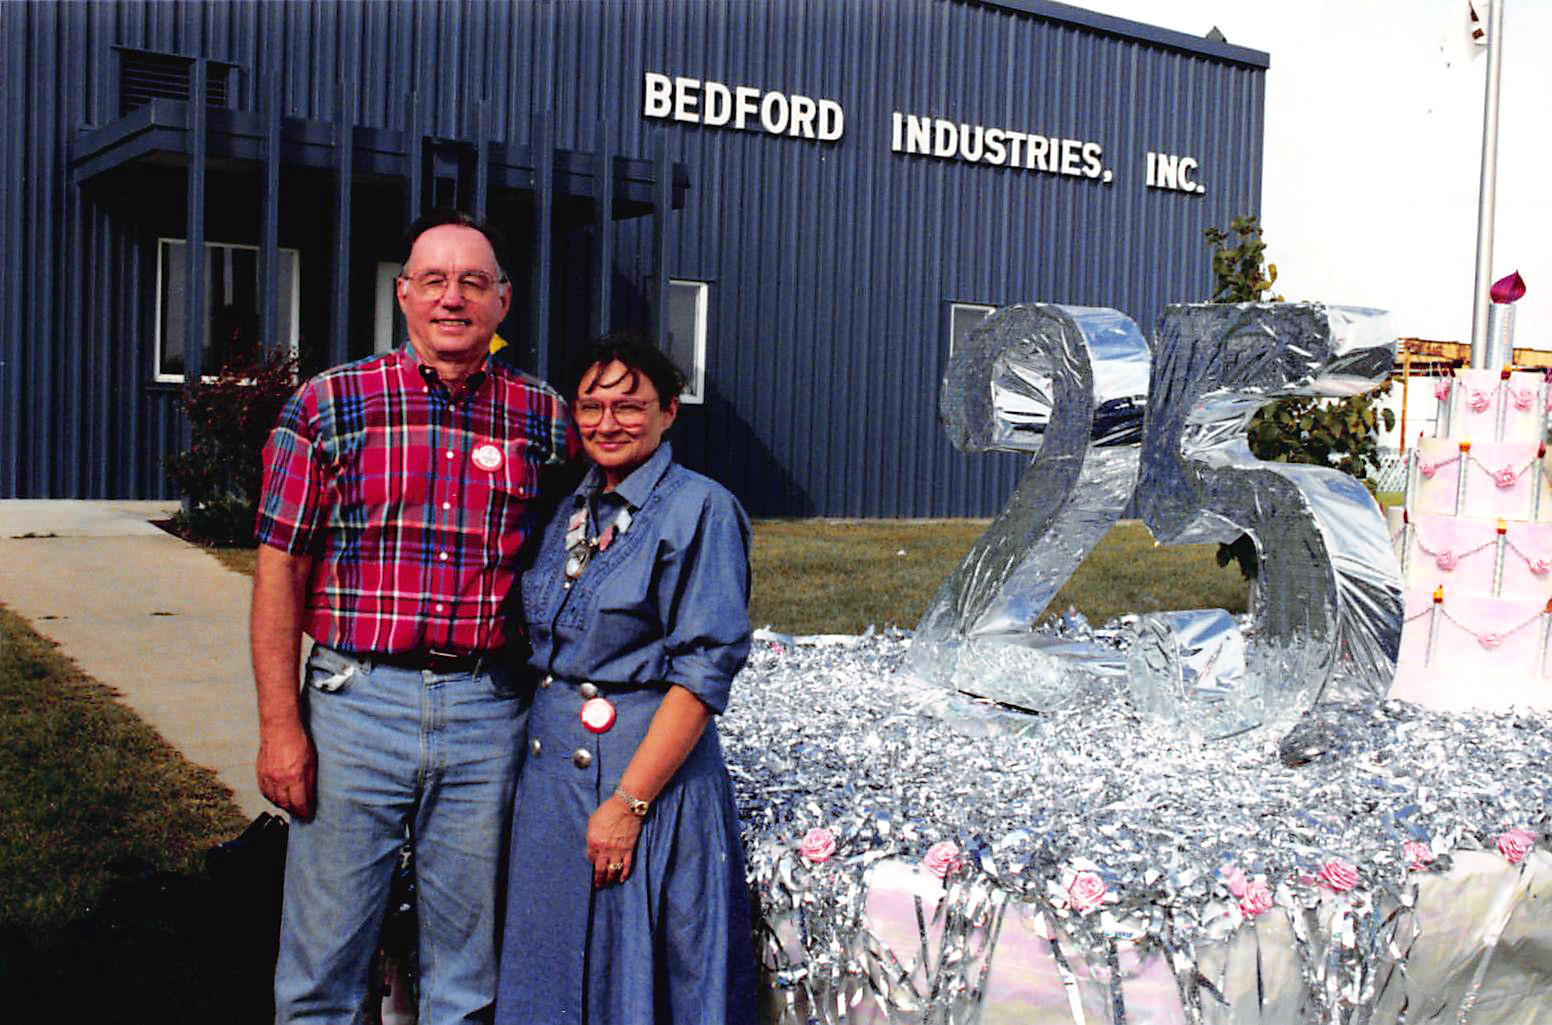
(597, 715)
(488, 457)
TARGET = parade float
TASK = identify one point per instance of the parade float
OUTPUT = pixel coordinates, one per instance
(1178, 817)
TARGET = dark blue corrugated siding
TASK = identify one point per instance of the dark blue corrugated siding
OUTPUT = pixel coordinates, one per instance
(830, 263)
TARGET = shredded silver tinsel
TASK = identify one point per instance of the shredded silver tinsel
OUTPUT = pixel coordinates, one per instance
(828, 735)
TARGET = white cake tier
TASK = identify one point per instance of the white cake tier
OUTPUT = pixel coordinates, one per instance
(1465, 556)
(1473, 651)
(1507, 479)
(1487, 406)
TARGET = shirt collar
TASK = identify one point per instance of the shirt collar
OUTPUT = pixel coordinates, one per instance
(410, 360)
(636, 488)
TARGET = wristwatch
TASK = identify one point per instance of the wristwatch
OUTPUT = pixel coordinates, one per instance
(637, 806)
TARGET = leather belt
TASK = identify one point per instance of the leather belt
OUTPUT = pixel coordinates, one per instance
(432, 660)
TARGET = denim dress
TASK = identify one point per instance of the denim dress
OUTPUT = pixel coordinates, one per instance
(665, 603)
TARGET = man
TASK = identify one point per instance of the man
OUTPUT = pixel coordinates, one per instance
(397, 491)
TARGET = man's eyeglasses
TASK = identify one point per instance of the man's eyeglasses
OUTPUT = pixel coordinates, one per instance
(627, 412)
(472, 284)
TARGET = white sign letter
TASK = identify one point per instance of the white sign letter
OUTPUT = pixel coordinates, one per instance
(655, 97)
(719, 104)
(769, 119)
(686, 100)
(802, 117)
(745, 104)
(832, 120)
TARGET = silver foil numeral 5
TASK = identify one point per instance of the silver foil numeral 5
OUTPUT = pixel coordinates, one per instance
(1071, 385)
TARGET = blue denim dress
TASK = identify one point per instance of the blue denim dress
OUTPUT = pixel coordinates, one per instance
(664, 604)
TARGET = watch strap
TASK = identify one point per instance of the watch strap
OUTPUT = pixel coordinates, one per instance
(637, 806)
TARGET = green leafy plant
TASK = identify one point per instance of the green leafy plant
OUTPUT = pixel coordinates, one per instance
(230, 416)
(1342, 434)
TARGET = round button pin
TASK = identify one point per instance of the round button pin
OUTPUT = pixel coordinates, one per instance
(488, 458)
(597, 715)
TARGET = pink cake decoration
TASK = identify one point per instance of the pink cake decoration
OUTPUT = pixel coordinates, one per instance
(1509, 467)
(1438, 469)
(1455, 551)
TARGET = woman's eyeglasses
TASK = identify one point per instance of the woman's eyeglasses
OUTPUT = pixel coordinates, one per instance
(627, 412)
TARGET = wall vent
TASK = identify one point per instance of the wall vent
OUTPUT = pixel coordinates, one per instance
(145, 75)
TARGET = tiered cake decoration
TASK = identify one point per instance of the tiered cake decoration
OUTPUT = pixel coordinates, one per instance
(1475, 544)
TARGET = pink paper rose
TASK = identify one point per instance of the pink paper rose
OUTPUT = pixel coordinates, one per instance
(1505, 477)
(942, 858)
(1489, 640)
(1234, 879)
(1478, 400)
(1427, 468)
(818, 844)
(1418, 855)
(1539, 565)
(1446, 560)
(1086, 892)
(1515, 844)
(1441, 389)
(1523, 397)
(1256, 899)
(1338, 876)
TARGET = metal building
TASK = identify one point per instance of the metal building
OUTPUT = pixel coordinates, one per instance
(805, 199)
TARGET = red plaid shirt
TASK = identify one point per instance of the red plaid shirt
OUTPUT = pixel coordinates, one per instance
(413, 503)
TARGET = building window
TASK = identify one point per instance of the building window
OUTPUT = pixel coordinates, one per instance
(385, 317)
(962, 319)
(231, 303)
(687, 335)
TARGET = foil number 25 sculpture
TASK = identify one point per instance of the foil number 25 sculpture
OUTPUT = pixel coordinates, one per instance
(1106, 417)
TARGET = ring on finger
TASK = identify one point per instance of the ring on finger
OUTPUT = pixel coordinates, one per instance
(615, 866)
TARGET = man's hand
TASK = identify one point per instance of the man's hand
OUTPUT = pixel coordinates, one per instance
(287, 765)
(288, 769)
(611, 841)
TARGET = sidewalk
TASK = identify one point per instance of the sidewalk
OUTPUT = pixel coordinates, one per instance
(151, 616)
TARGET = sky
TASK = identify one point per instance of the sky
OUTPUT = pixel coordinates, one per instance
(1374, 151)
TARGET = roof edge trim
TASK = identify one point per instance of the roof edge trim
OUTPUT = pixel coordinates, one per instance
(1138, 30)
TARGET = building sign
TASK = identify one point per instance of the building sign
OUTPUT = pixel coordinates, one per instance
(1000, 147)
(748, 109)
(742, 108)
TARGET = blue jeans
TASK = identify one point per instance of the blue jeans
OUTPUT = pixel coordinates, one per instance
(399, 747)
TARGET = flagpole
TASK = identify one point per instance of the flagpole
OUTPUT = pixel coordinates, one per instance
(1489, 187)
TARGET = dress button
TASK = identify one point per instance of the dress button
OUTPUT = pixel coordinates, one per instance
(449, 453)
(588, 690)
(534, 746)
(581, 758)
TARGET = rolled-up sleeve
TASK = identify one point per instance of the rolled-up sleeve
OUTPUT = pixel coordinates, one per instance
(291, 500)
(706, 611)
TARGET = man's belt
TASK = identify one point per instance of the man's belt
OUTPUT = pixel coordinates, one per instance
(432, 660)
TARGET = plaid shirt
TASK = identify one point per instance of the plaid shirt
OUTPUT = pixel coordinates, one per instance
(413, 503)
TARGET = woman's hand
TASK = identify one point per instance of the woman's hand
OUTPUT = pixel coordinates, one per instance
(611, 841)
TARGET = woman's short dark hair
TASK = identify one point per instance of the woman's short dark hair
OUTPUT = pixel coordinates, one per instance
(639, 357)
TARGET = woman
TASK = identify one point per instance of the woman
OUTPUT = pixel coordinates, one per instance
(626, 900)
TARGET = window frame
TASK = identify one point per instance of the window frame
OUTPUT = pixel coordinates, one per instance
(292, 346)
(954, 306)
(695, 375)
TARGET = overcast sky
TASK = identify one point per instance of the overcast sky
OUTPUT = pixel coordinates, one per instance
(1374, 148)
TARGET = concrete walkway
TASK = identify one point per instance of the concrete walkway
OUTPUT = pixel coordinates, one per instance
(151, 616)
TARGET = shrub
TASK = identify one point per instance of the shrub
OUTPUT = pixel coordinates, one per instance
(230, 416)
